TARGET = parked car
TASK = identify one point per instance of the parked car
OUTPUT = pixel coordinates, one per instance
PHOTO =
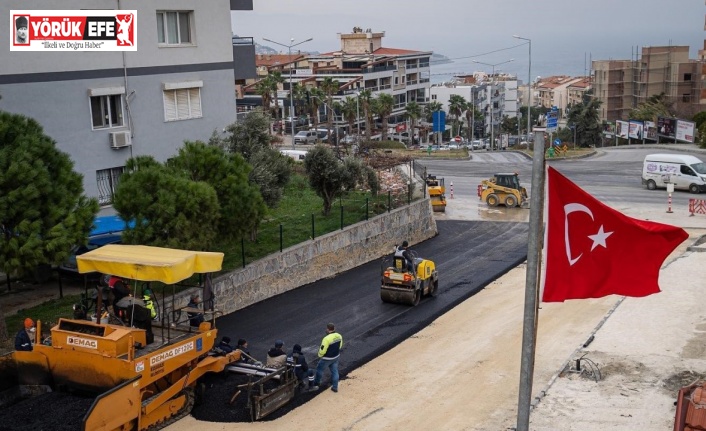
(305, 137)
(349, 139)
(106, 230)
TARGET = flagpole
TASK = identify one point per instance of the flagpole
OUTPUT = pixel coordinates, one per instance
(534, 253)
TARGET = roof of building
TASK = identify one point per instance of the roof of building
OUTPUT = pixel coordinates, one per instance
(582, 83)
(552, 82)
(270, 60)
(380, 51)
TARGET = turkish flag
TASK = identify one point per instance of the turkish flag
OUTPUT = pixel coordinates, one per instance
(593, 250)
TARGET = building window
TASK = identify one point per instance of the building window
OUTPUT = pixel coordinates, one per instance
(687, 77)
(182, 104)
(174, 28)
(686, 98)
(433, 97)
(107, 111)
(108, 180)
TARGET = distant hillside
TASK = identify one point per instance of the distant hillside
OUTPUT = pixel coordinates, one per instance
(440, 59)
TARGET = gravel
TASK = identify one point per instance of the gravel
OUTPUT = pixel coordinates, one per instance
(53, 411)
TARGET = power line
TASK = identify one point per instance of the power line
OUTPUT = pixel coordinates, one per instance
(478, 55)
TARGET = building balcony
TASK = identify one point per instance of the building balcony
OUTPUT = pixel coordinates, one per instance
(379, 69)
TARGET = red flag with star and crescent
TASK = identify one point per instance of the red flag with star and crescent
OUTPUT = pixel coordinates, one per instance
(593, 250)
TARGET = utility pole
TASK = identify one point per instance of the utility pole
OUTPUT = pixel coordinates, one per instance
(492, 107)
(291, 88)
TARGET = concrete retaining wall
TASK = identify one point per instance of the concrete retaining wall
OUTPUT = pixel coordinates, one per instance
(322, 257)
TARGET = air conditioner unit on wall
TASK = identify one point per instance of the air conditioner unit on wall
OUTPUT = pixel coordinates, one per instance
(120, 140)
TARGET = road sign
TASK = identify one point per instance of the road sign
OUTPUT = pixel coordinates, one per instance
(552, 120)
(439, 121)
(557, 142)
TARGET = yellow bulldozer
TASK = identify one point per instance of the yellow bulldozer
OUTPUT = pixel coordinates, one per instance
(436, 189)
(400, 285)
(130, 381)
(505, 189)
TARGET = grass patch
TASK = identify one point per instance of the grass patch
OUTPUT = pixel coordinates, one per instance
(48, 312)
(299, 217)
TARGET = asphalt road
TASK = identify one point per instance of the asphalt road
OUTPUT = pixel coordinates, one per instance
(468, 256)
(612, 175)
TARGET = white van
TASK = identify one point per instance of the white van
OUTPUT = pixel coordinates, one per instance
(297, 155)
(684, 171)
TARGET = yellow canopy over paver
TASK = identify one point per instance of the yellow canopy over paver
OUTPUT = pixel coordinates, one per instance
(145, 263)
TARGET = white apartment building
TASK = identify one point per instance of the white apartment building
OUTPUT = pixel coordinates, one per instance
(363, 63)
(102, 108)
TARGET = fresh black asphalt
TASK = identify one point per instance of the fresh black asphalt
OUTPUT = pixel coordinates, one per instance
(468, 256)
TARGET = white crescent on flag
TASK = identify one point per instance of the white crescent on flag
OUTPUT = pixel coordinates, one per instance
(598, 239)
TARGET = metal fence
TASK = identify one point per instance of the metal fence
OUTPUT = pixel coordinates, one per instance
(273, 236)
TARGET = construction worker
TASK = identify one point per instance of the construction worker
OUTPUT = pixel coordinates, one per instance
(329, 352)
(195, 318)
(118, 288)
(276, 356)
(225, 345)
(304, 374)
(404, 252)
(149, 304)
(24, 339)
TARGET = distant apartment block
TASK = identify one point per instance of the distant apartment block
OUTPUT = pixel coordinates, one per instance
(622, 85)
(561, 91)
(362, 63)
(104, 107)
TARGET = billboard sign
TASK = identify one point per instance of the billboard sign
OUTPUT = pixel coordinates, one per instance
(650, 130)
(622, 128)
(608, 129)
(666, 127)
(635, 129)
(685, 131)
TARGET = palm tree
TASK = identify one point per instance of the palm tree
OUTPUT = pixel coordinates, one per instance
(457, 105)
(383, 106)
(366, 101)
(349, 110)
(315, 98)
(472, 114)
(429, 110)
(330, 87)
(275, 80)
(299, 97)
(264, 89)
(413, 111)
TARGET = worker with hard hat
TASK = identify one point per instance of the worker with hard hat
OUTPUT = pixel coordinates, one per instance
(25, 338)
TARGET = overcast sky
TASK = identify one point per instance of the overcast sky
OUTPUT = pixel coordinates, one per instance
(563, 33)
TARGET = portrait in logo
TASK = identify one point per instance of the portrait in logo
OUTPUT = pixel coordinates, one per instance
(21, 30)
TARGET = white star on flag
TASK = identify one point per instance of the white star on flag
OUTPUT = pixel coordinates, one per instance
(599, 238)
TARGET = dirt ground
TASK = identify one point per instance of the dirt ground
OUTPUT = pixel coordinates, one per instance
(462, 371)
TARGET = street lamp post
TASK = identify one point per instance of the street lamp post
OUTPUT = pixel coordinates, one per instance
(291, 88)
(529, 83)
(534, 245)
(573, 126)
(492, 109)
